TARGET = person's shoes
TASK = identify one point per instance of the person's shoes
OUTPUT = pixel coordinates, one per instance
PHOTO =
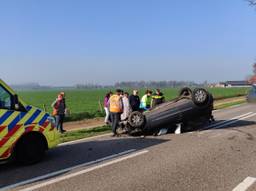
(113, 135)
(63, 131)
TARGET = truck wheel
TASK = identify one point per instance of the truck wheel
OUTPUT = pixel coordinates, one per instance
(30, 149)
(136, 119)
(185, 92)
(200, 96)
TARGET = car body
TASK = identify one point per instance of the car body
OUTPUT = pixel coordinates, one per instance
(191, 109)
(251, 97)
(26, 132)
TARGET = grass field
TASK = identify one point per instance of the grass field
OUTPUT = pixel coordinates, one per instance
(84, 133)
(85, 103)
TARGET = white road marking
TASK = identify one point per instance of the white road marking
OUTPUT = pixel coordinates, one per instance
(235, 121)
(83, 140)
(245, 185)
(59, 179)
(227, 121)
(43, 177)
(235, 106)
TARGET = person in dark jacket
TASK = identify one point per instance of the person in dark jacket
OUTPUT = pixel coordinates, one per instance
(157, 98)
(135, 101)
(59, 107)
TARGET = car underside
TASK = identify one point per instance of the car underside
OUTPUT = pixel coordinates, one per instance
(190, 111)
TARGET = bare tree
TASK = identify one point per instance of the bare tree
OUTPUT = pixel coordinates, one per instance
(252, 2)
(252, 78)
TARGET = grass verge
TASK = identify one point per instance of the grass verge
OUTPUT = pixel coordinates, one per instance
(230, 104)
(84, 133)
(83, 115)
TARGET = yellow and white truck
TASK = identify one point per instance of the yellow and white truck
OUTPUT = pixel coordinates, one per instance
(26, 132)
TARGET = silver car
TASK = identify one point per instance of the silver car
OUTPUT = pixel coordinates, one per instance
(190, 108)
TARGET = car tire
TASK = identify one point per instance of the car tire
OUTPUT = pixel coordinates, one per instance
(136, 119)
(185, 92)
(30, 149)
(200, 96)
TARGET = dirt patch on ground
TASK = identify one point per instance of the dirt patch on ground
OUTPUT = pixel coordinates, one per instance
(88, 123)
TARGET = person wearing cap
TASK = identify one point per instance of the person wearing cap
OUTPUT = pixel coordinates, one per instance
(116, 109)
(157, 98)
(59, 110)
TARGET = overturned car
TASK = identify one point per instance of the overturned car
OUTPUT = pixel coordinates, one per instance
(190, 110)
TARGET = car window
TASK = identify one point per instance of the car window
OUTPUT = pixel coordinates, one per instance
(5, 99)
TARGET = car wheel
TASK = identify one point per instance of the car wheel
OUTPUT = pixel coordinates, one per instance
(30, 149)
(200, 96)
(136, 119)
(185, 92)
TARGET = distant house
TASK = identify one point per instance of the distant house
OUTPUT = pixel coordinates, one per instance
(229, 84)
(220, 85)
(237, 84)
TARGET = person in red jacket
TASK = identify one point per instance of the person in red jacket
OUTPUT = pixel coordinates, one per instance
(59, 110)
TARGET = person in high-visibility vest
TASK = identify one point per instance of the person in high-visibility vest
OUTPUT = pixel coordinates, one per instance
(157, 98)
(146, 100)
(116, 109)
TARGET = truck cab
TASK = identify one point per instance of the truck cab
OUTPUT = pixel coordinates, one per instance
(26, 132)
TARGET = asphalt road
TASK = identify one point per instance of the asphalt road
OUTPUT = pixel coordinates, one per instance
(221, 157)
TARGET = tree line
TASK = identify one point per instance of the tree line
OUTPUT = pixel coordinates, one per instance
(143, 84)
(252, 2)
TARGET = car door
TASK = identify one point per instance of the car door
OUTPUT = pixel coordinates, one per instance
(10, 128)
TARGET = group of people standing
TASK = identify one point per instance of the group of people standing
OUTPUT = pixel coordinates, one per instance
(120, 104)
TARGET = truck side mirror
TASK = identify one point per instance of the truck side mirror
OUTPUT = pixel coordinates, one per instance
(16, 102)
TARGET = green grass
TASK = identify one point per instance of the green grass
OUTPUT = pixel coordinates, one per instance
(220, 93)
(84, 104)
(77, 100)
(85, 133)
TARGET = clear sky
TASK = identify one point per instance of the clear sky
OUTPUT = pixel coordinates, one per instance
(65, 42)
